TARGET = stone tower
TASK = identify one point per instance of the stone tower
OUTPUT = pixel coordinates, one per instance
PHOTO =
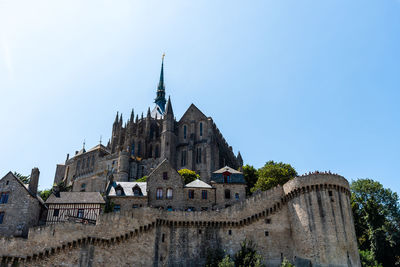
(168, 137)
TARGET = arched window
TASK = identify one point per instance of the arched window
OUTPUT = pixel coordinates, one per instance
(159, 194)
(157, 152)
(184, 131)
(198, 155)
(201, 129)
(150, 151)
(169, 193)
(227, 194)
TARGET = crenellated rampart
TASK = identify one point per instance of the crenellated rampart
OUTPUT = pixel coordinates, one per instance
(306, 218)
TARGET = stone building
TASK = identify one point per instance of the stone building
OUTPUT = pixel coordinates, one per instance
(138, 145)
(80, 207)
(308, 220)
(20, 205)
(165, 189)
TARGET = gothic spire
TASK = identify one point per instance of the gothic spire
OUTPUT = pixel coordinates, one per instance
(169, 110)
(132, 116)
(160, 99)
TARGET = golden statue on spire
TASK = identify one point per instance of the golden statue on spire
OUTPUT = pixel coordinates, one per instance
(163, 55)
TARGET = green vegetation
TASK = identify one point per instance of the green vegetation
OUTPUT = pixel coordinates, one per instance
(251, 176)
(270, 175)
(24, 178)
(44, 194)
(62, 187)
(108, 207)
(377, 222)
(286, 263)
(188, 175)
(143, 179)
(247, 256)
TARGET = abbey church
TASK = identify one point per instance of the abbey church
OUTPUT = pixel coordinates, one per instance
(126, 204)
(138, 145)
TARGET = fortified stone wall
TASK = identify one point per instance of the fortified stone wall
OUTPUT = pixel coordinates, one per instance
(298, 221)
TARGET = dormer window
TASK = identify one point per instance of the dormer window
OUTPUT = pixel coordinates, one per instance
(119, 191)
(83, 187)
(137, 192)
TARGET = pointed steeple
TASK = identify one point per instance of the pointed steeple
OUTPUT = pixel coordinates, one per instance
(168, 110)
(132, 116)
(160, 99)
(116, 118)
(137, 118)
(148, 113)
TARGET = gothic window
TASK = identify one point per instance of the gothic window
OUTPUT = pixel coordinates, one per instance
(159, 194)
(183, 158)
(83, 187)
(184, 131)
(157, 152)
(80, 213)
(204, 194)
(201, 129)
(227, 194)
(169, 193)
(198, 155)
(237, 196)
(56, 212)
(150, 151)
(191, 194)
(1, 217)
(165, 175)
(133, 149)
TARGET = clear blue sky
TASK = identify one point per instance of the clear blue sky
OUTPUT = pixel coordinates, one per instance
(310, 83)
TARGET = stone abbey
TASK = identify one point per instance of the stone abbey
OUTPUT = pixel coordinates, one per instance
(110, 218)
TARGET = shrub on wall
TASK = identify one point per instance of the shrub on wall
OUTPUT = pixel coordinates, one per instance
(188, 175)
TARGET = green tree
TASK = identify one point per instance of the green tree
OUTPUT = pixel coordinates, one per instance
(143, 179)
(62, 187)
(44, 194)
(376, 215)
(226, 262)
(188, 175)
(24, 178)
(251, 176)
(368, 259)
(273, 174)
(247, 256)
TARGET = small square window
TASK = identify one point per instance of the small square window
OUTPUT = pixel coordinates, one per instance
(80, 213)
(268, 221)
(330, 193)
(266, 233)
(229, 232)
(199, 231)
(117, 208)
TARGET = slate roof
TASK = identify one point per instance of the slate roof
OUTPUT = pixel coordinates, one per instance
(76, 197)
(198, 184)
(227, 169)
(128, 188)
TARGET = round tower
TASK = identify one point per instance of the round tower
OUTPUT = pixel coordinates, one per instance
(321, 220)
(123, 167)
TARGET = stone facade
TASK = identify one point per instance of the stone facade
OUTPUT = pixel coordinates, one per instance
(137, 146)
(20, 206)
(308, 221)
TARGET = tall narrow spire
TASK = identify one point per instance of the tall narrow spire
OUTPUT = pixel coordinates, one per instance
(169, 110)
(160, 99)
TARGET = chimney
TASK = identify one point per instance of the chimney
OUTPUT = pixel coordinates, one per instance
(34, 182)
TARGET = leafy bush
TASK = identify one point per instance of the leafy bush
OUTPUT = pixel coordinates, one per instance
(188, 175)
(247, 256)
(143, 179)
